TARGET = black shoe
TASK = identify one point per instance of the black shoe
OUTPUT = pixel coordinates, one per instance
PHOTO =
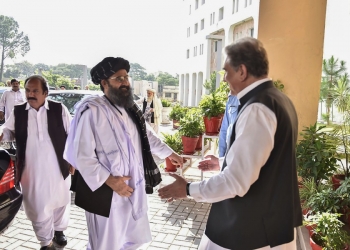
(60, 239)
(49, 247)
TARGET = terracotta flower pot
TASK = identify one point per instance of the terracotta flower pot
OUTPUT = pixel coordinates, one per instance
(310, 229)
(212, 125)
(199, 143)
(175, 124)
(169, 166)
(336, 179)
(313, 245)
(189, 144)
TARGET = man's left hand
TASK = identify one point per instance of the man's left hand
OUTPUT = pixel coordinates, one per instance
(176, 159)
(176, 190)
(71, 169)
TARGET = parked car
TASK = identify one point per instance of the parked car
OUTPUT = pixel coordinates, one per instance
(71, 97)
(10, 196)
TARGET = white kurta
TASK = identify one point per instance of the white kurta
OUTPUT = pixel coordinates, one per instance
(120, 229)
(43, 186)
(9, 99)
(255, 130)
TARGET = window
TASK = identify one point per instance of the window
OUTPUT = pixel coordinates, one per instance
(245, 3)
(237, 5)
(188, 53)
(201, 49)
(188, 32)
(196, 28)
(195, 51)
(202, 24)
(190, 9)
(233, 6)
(221, 13)
(250, 2)
(167, 95)
(203, 2)
(251, 32)
(196, 4)
(211, 18)
(216, 46)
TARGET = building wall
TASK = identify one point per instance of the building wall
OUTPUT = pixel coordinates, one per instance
(211, 24)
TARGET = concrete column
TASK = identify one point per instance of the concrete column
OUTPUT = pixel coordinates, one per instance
(193, 90)
(219, 64)
(293, 33)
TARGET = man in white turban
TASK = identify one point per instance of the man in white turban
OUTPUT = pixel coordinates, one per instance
(152, 109)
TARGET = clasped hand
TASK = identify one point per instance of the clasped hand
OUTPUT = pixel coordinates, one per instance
(117, 183)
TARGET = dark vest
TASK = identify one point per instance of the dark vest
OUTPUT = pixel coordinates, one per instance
(268, 213)
(144, 108)
(56, 131)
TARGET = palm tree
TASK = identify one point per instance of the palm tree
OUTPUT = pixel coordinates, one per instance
(341, 93)
(332, 70)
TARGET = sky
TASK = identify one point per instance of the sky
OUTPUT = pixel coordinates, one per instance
(148, 32)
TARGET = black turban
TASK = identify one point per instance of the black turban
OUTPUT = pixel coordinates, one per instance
(108, 67)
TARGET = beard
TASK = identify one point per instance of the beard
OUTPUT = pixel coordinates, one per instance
(122, 96)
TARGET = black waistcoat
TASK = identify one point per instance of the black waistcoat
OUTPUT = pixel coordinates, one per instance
(268, 213)
(144, 108)
(56, 131)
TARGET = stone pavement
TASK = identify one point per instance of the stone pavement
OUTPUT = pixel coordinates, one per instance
(176, 225)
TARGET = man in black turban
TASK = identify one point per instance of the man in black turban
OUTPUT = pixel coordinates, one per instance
(111, 146)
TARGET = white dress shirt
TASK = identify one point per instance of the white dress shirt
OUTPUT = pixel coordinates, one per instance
(9, 99)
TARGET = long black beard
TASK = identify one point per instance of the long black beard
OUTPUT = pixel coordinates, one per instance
(123, 96)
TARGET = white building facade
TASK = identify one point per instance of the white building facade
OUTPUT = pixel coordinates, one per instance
(210, 26)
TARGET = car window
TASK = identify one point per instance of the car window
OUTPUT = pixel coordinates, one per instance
(68, 99)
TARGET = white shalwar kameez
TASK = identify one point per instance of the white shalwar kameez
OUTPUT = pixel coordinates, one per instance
(120, 231)
(46, 195)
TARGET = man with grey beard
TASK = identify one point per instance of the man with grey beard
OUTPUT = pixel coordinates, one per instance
(111, 146)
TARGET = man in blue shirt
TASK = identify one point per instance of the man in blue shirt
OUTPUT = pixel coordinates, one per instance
(227, 123)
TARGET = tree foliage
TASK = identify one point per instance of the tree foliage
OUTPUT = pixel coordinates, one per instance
(12, 42)
(137, 72)
(165, 78)
(56, 81)
(332, 71)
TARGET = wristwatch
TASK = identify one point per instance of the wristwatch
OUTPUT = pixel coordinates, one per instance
(188, 188)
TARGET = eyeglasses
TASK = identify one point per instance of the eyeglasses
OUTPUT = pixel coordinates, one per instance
(120, 79)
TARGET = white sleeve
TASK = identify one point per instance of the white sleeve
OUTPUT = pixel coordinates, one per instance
(158, 147)
(94, 174)
(8, 128)
(66, 118)
(255, 131)
(2, 101)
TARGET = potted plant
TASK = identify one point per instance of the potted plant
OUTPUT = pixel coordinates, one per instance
(175, 143)
(325, 200)
(340, 137)
(213, 108)
(328, 233)
(344, 194)
(316, 154)
(176, 114)
(166, 111)
(190, 129)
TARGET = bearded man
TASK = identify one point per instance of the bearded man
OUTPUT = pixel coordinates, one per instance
(111, 146)
(152, 109)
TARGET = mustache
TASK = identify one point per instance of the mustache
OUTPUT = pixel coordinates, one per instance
(124, 87)
(31, 98)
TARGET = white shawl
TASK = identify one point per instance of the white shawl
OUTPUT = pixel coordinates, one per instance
(111, 140)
